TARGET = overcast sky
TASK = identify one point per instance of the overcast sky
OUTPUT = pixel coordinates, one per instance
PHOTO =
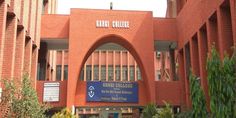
(157, 6)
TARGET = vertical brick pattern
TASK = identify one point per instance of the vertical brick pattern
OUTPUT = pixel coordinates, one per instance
(3, 9)
(34, 60)
(28, 56)
(225, 30)
(19, 56)
(32, 18)
(9, 48)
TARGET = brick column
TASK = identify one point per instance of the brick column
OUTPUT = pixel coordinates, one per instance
(225, 31)
(62, 64)
(186, 81)
(106, 65)
(34, 64)
(212, 32)
(233, 17)
(194, 55)
(27, 56)
(203, 49)
(172, 64)
(99, 65)
(3, 16)
(181, 73)
(121, 66)
(19, 60)
(128, 54)
(114, 66)
(92, 66)
(9, 49)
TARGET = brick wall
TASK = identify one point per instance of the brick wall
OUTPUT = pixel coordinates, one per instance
(19, 38)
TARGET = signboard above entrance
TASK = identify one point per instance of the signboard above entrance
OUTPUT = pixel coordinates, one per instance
(112, 92)
(114, 24)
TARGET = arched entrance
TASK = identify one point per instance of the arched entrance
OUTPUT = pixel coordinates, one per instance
(121, 41)
(85, 38)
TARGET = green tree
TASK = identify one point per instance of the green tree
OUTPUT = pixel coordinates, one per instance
(23, 100)
(165, 112)
(221, 82)
(199, 108)
(149, 111)
(64, 113)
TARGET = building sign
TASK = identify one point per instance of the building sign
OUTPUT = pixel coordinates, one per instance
(112, 92)
(51, 92)
(113, 24)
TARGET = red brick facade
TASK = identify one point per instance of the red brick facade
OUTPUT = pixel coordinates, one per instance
(193, 25)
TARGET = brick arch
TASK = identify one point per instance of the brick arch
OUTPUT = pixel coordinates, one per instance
(148, 90)
(113, 38)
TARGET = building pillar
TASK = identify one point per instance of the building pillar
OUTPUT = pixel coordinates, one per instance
(203, 50)
(233, 18)
(99, 64)
(172, 64)
(3, 18)
(34, 64)
(186, 82)
(194, 55)
(62, 64)
(121, 69)
(212, 32)
(92, 66)
(19, 60)
(135, 71)
(27, 56)
(225, 30)
(9, 49)
(128, 65)
(106, 65)
(114, 66)
(181, 73)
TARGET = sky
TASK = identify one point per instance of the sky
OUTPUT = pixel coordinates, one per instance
(158, 7)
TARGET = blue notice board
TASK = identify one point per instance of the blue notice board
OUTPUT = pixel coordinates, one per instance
(112, 92)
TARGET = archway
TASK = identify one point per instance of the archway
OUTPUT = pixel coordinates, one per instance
(111, 38)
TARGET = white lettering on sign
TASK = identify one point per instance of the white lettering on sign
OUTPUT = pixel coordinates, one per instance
(115, 24)
(102, 23)
(120, 24)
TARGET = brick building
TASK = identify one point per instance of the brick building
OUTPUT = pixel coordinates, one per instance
(119, 46)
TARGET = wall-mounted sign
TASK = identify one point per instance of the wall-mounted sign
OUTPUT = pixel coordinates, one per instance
(112, 92)
(51, 92)
(114, 24)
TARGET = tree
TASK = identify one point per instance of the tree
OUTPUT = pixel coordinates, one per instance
(64, 113)
(221, 81)
(149, 111)
(199, 108)
(23, 100)
(165, 112)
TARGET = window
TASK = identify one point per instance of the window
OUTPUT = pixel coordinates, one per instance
(110, 73)
(125, 73)
(82, 74)
(95, 73)
(117, 73)
(88, 73)
(65, 72)
(41, 71)
(103, 73)
(131, 73)
(58, 73)
(139, 77)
